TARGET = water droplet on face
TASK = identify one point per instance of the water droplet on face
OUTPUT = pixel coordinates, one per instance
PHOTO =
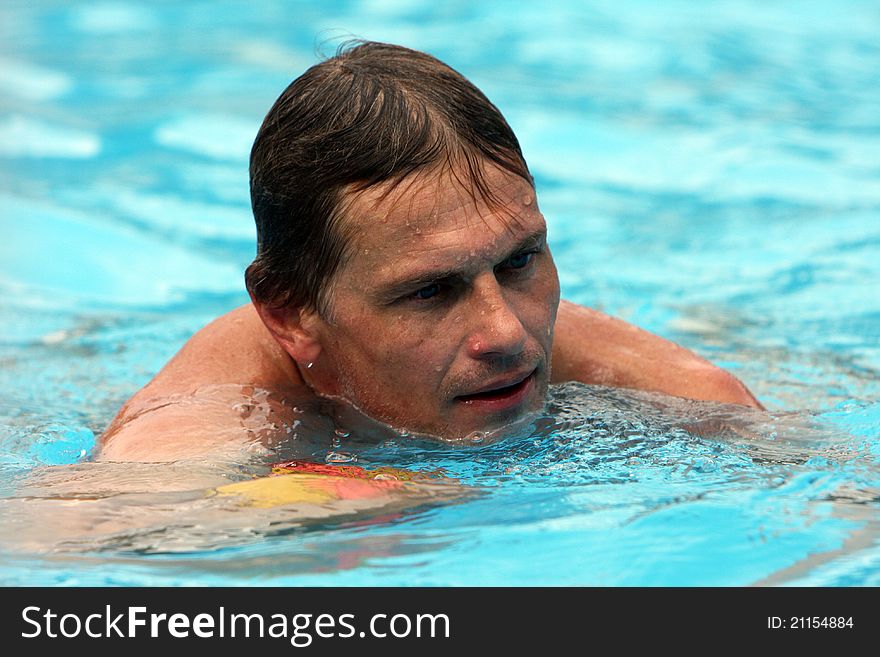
(527, 200)
(244, 409)
(339, 457)
(475, 437)
(438, 368)
(338, 435)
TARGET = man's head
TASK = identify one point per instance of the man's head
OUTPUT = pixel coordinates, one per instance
(401, 256)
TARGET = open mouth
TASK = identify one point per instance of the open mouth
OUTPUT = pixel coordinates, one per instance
(511, 393)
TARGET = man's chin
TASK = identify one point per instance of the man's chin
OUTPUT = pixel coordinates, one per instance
(467, 421)
(477, 425)
(522, 422)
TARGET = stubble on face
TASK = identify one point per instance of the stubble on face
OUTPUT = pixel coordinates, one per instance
(407, 361)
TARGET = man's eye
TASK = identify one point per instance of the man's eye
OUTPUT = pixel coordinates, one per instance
(520, 260)
(427, 292)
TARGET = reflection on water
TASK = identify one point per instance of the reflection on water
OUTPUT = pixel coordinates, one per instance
(636, 465)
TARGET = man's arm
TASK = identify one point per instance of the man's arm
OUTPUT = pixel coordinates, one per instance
(173, 429)
(592, 347)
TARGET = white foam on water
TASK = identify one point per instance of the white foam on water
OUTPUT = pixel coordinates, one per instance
(170, 212)
(111, 17)
(204, 219)
(24, 137)
(216, 136)
(268, 54)
(31, 82)
(393, 8)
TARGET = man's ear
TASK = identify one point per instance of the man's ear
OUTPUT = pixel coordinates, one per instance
(294, 328)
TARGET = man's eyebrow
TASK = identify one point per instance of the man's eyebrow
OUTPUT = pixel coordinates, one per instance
(402, 286)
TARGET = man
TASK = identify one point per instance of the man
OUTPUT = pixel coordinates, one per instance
(402, 266)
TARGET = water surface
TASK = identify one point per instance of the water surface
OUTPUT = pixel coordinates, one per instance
(709, 172)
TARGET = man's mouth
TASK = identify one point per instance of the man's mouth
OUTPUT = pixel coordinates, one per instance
(502, 394)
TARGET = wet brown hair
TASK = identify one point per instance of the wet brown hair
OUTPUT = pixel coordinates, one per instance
(373, 113)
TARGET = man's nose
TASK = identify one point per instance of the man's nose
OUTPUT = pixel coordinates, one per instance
(498, 330)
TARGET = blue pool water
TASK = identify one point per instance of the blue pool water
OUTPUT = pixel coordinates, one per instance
(709, 171)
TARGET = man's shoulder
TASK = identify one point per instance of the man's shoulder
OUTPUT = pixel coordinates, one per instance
(592, 347)
(235, 348)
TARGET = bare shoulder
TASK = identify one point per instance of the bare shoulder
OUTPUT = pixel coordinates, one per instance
(592, 347)
(234, 349)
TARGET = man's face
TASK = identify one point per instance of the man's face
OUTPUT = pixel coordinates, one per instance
(441, 322)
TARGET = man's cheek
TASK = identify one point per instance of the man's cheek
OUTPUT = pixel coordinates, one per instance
(412, 367)
(538, 314)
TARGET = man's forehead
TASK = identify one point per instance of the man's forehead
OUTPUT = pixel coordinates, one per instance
(430, 205)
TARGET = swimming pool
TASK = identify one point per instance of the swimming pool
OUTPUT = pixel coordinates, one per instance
(709, 173)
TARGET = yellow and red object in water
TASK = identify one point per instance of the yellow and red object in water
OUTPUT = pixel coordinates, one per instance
(293, 482)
